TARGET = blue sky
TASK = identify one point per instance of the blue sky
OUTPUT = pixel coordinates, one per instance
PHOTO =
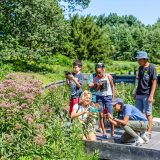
(147, 11)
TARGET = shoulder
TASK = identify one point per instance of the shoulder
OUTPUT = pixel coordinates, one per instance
(80, 75)
(76, 106)
(151, 66)
(96, 78)
(109, 76)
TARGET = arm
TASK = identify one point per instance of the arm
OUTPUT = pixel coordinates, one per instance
(71, 77)
(97, 86)
(112, 86)
(117, 122)
(153, 88)
(67, 81)
(76, 114)
(122, 122)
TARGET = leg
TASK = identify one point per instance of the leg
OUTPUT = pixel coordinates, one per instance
(139, 103)
(70, 106)
(101, 116)
(148, 112)
(73, 101)
(126, 138)
(132, 127)
(108, 106)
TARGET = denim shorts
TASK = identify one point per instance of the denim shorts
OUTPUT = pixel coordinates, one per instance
(143, 105)
(105, 102)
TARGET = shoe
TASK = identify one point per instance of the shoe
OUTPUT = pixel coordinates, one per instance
(145, 138)
(104, 136)
(111, 139)
(139, 141)
(148, 134)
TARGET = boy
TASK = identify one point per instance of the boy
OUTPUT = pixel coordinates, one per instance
(104, 87)
(146, 87)
(75, 80)
(131, 120)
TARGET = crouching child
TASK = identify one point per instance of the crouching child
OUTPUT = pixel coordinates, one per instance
(131, 120)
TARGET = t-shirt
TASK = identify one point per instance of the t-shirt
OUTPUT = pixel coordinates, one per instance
(105, 89)
(75, 91)
(132, 112)
(145, 77)
(90, 80)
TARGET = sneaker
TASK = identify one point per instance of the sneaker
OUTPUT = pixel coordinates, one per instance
(145, 138)
(111, 139)
(104, 136)
(139, 141)
(148, 134)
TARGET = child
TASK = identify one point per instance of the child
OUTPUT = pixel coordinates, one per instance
(131, 120)
(146, 87)
(104, 87)
(75, 81)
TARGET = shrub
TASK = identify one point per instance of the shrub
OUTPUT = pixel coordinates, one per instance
(33, 125)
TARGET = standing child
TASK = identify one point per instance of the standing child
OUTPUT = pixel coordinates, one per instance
(104, 87)
(146, 87)
(75, 81)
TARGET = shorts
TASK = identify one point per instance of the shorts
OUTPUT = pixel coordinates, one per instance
(105, 103)
(143, 105)
(72, 102)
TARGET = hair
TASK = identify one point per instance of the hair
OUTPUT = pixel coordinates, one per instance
(99, 65)
(83, 95)
(120, 103)
(77, 63)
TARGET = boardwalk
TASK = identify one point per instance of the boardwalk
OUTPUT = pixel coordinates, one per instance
(116, 151)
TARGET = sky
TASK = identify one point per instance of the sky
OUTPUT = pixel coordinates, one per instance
(147, 11)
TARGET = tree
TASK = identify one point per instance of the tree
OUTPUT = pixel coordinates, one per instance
(73, 3)
(88, 41)
(31, 29)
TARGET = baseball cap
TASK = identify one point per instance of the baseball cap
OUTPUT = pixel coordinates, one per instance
(117, 100)
(141, 55)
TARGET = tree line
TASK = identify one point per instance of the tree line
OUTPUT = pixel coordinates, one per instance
(31, 30)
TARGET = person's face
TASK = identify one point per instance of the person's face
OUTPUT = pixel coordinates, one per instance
(100, 72)
(87, 99)
(142, 62)
(117, 107)
(76, 69)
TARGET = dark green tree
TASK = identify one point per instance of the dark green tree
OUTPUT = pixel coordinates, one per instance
(88, 41)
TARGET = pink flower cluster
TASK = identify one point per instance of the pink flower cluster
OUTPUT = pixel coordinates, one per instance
(19, 91)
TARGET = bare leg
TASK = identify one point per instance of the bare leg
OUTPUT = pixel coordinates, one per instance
(102, 123)
(149, 117)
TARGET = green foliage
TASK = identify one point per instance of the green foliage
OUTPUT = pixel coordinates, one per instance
(87, 41)
(72, 4)
(31, 29)
(33, 125)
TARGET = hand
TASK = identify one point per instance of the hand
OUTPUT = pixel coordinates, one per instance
(86, 111)
(108, 115)
(70, 76)
(150, 99)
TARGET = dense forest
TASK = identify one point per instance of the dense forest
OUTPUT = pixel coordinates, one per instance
(34, 30)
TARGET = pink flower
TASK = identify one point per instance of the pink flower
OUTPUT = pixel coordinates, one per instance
(24, 106)
(4, 104)
(39, 140)
(18, 126)
(29, 119)
(40, 128)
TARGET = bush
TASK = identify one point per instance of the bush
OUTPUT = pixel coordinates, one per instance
(33, 125)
